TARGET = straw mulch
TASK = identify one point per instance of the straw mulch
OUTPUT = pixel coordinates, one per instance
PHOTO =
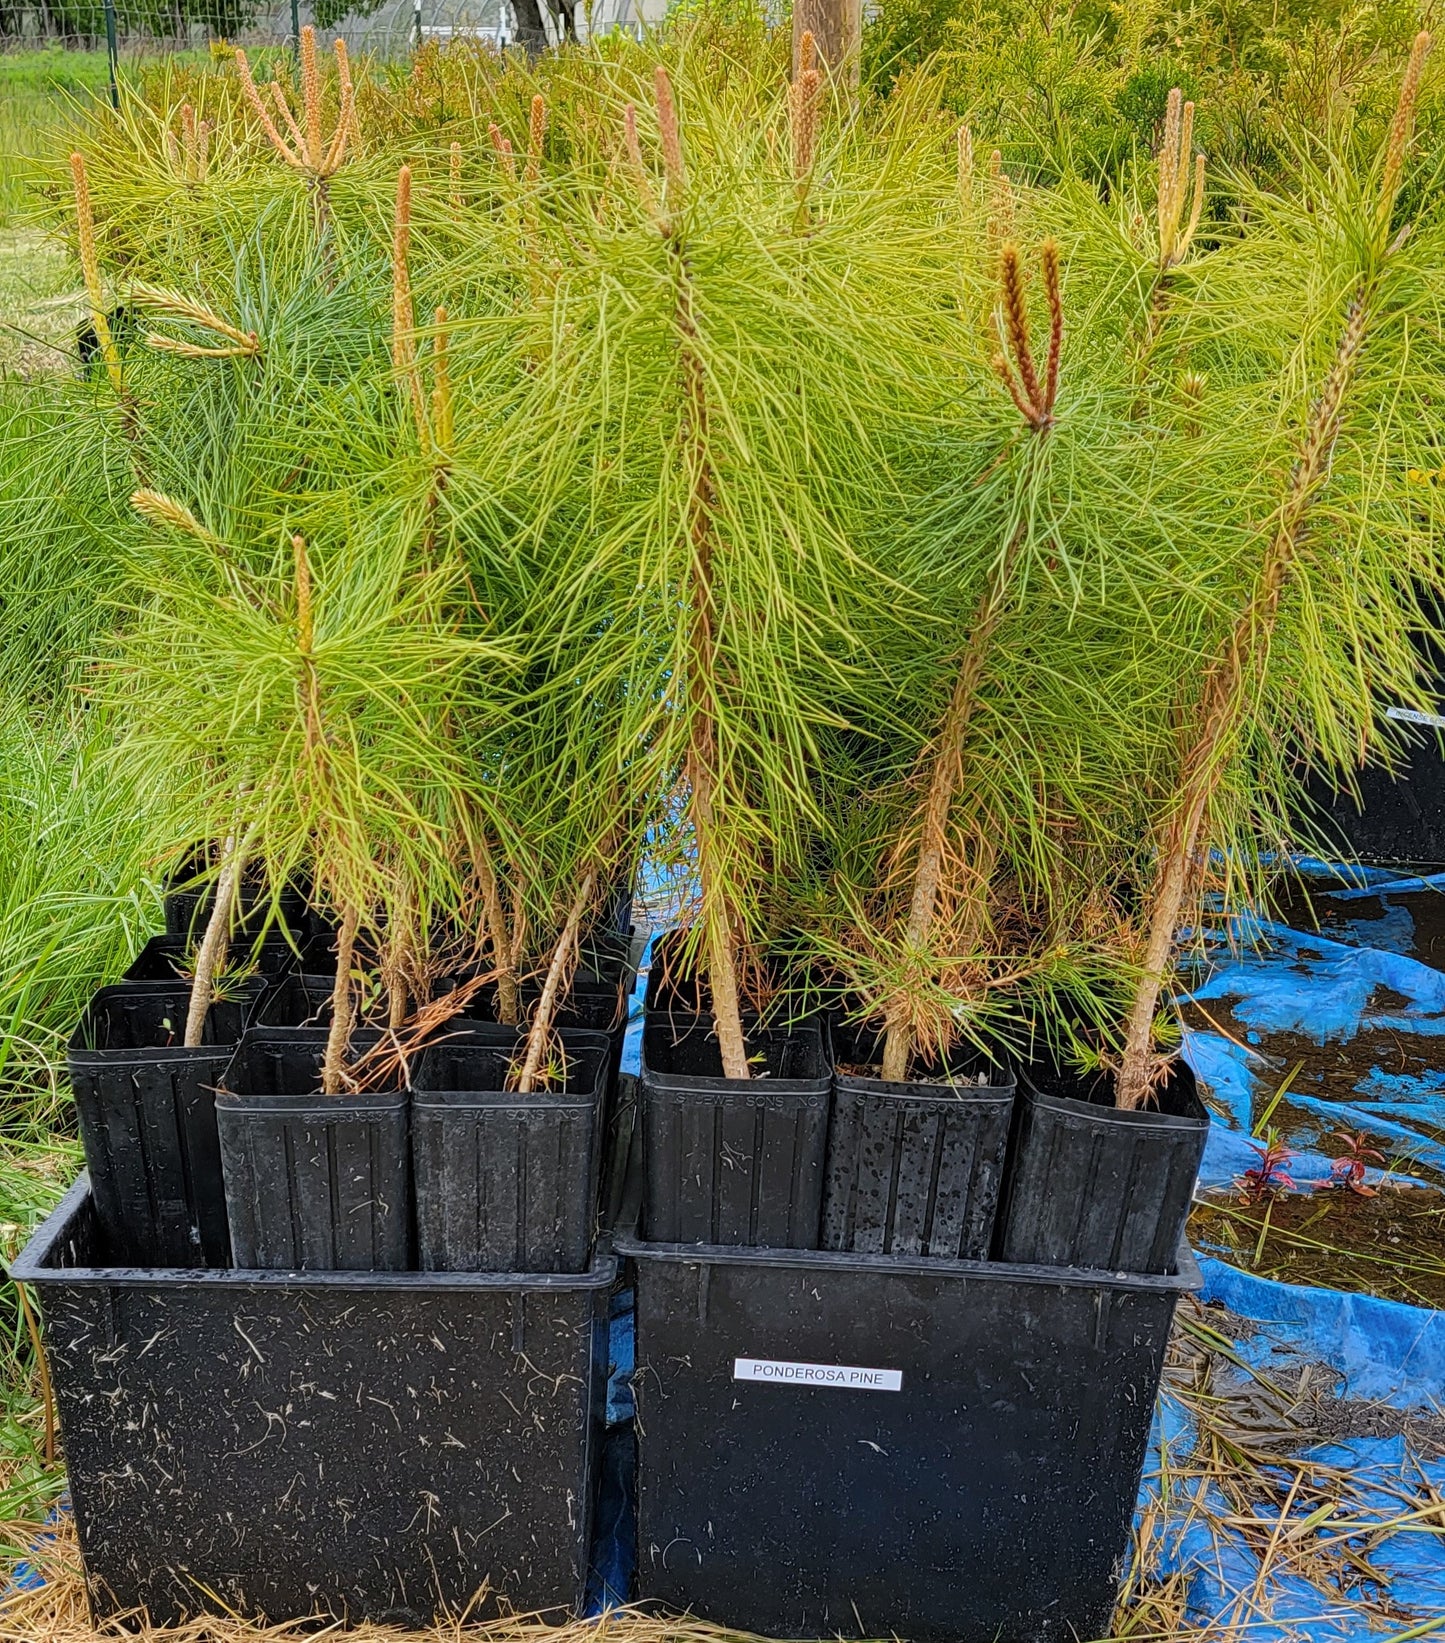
(56, 1613)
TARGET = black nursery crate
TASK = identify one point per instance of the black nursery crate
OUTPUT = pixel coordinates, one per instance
(868, 1446)
(733, 1161)
(369, 1446)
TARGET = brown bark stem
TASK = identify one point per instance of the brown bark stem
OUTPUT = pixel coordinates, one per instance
(947, 777)
(547, 1005)
(505, 958)
(718, 914)
(339, 1036)
(1223, 701)
(212, 954)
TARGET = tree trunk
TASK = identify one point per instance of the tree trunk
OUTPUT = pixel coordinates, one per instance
(531, 32)
(212, 956)
(340, 1034)
(837, 30)
(948, 763)
(547, 1005)
(1222, 705)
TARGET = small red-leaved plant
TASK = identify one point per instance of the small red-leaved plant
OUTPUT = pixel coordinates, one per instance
(1348, 1170)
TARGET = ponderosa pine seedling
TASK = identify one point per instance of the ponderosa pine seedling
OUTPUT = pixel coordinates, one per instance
(307, 148)
(1218, 716)
(1034, 393)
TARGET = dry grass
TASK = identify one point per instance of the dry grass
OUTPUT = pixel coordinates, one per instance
(1248, 1481)
(56, 1613)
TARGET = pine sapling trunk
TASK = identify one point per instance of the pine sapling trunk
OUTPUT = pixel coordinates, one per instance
(339, 1036)
(504, 952)
(1221, 710)
(948, 767)
(718, 911)
(562, 956)
(212, 955)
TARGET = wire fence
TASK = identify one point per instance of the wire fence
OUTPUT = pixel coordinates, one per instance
(385, 28)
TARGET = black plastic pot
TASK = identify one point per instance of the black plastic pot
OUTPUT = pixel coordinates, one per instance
(1091, 1186)
(914, 1168)
(314, 1183)
(733, 1161)
(146, 1110)
(506, 1182)
(300, 999)
(869, 1446)
(188, 905)
(168, 958)
(377, 1447)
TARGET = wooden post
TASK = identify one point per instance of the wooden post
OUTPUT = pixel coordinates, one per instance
(837, 30)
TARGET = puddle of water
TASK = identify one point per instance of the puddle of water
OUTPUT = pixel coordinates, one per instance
(1391, 1245)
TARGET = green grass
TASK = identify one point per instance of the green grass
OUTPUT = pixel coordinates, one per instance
(36, 89)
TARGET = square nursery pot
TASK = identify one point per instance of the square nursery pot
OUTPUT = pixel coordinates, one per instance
(369, 1446)
(188, 904)
(506, 1182)
(314, 1183)
(147, 1116)
(872, 1446)
(301, 998)
(913, 1168)
(733, 1161)
(1092, 1186)
(169, 959)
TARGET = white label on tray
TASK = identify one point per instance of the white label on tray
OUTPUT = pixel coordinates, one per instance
(817, 1374)
(1410, 716)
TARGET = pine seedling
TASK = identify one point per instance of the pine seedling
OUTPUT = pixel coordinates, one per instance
(305, 147)
(1034, 396)
(90, 271)
(1231, 681)
(1175, 234)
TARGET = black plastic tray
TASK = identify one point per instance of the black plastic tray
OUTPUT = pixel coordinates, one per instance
(870, 1446)
(371, 1446)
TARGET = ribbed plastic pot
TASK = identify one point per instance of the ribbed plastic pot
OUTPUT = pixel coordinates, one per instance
(146, 1110)
(671, 989)
(168, 958)
(733, 1161)
(506, 1182)
(871, 1446)
(300, 999)
(314, 1183)
(914, 1168)
(370, 1446)
(187, 907)
(1092, 1186)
